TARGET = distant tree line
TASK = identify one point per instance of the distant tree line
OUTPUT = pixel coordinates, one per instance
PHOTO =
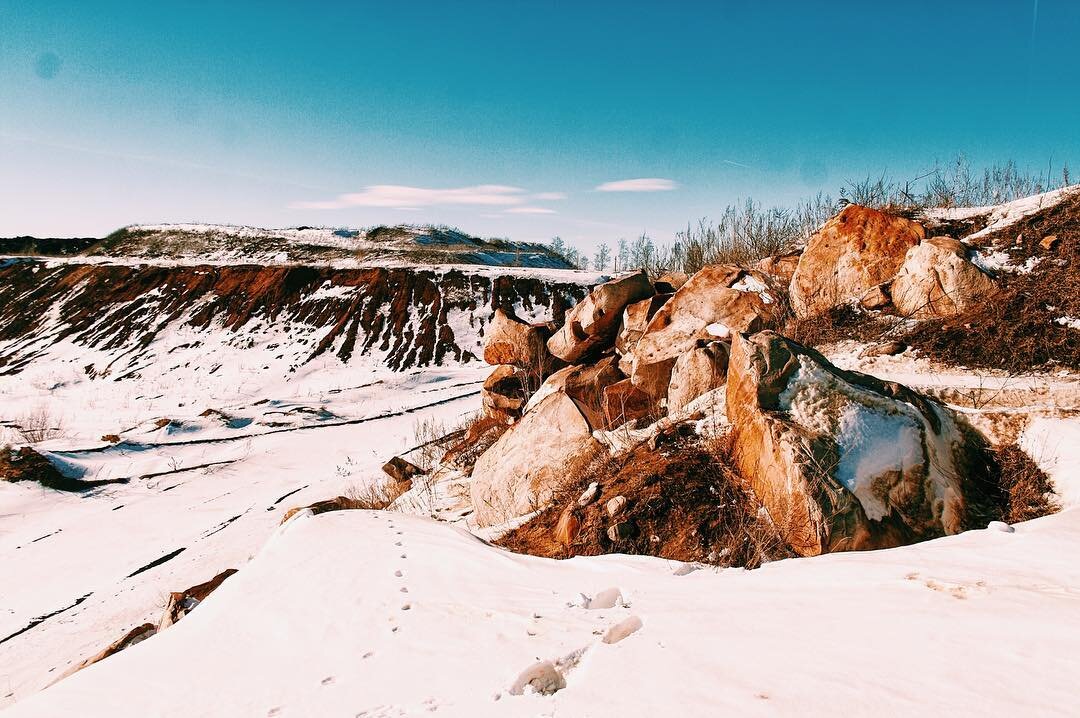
(746, 232)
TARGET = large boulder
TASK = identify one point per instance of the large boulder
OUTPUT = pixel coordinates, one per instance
(508, 340)
(635, 318)
(590, 327)
(938, 279)
(522, 470)
(842, 460)
(695, 373)
(714, 303)
(857, 249)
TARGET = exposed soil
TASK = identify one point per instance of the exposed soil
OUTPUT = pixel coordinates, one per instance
(684, 502)
(1017, 330)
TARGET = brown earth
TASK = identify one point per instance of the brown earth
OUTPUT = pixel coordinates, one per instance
(685, 503)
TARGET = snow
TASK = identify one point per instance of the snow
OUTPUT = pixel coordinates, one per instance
(1070, 322)
(750, 283)
(1001, 216)
(876, 436)
(332, 618)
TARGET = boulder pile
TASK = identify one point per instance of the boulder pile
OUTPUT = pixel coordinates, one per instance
(838, 460)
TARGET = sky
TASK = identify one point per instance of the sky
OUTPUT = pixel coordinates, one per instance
(592, 121)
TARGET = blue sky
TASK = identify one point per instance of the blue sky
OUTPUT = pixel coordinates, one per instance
(504, 118)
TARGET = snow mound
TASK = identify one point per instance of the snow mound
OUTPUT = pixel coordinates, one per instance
(488, 633)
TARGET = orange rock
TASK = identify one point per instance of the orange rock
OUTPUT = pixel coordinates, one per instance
(857, 249)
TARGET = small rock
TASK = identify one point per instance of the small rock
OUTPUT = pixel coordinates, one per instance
(1000, 526)
(877, 297)
(1049, 241)
(568, 528)
(616, 505)
(589, 495)
(399, 469)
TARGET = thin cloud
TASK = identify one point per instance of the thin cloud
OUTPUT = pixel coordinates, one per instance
(400, 196)
(643, 184)
(529, 210)
(549, 196)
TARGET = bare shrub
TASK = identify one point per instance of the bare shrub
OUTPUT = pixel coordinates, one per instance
(40, 425)
(375, 496)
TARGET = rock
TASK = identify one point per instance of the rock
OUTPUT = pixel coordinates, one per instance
(669, 282)
(1049, 242)
(938, 280)
(876, 297)
(625, 402)
(585, 386)
(620, 531)
(654, 378)
(717, 300)
(505, 393)
(696, 372)
(615, 505)
(592, 324)
(780, 267)
(338, 503)
(635, 318)
(589, 495)
(181, 603)
(508, 340)
(568, 528)
(399, 469)
(135, 635)
(521, 470)
(883, 349)
(841, 460)
(855, 250)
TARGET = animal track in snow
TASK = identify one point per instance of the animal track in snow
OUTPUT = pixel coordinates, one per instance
(398, 573)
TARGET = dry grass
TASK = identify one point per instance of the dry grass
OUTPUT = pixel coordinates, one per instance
(1026, 490)
(1018, 330)
(684, 503)
(842, 322)
(373, 496)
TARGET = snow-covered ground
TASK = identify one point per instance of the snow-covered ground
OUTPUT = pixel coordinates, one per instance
(214, 486)
(361, 613)
(378, 614)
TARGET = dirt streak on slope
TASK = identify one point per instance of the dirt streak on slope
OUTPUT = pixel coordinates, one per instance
(402, 314)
